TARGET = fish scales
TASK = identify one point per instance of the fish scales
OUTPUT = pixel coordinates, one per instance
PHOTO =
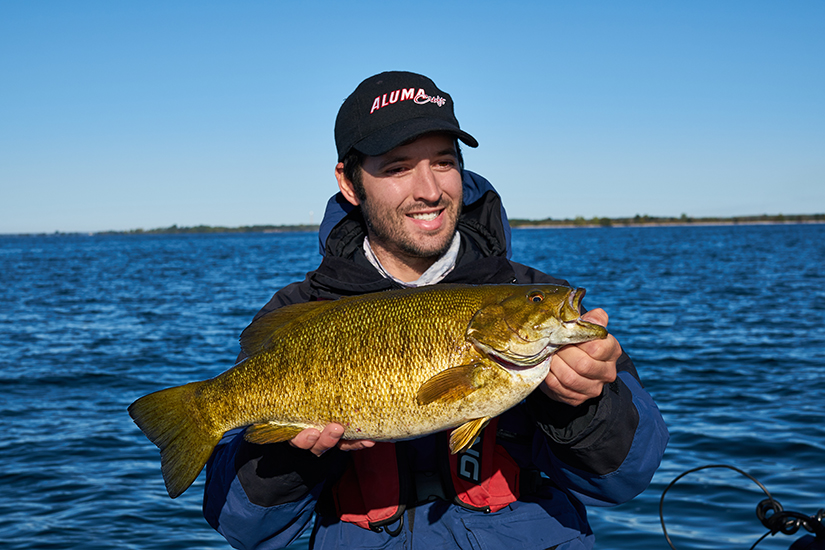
(386, 366)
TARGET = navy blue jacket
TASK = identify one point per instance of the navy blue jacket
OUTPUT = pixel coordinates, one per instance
(603, 452)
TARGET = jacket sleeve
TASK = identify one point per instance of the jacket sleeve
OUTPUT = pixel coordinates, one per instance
(262, 496)
(606, 450)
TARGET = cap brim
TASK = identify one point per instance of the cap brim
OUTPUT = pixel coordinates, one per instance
(387, 139)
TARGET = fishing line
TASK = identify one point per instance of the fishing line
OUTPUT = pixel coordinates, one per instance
(769, 512)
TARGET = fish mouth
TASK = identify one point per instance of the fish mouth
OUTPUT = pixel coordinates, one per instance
(572, 309)
(511, 360)
(575, 299)
(574, 303)
(522, 362)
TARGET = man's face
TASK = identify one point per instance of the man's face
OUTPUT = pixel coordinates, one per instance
(413, 200)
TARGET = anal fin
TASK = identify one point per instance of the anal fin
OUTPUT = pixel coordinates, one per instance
(271, 432)
(465, 435)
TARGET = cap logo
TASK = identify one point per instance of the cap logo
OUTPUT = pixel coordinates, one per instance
(404, 94)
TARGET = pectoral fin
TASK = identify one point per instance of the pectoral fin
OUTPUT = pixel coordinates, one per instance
(453, 384)
(465, 435)
(271, 432)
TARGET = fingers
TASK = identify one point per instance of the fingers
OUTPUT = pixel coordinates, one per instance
(319, 442)
(579, 372)
(355, 444)
(595, 360)
(575, 376)
(606, 349)
(597, 316)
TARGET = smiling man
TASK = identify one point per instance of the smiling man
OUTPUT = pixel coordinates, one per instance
(410, 199)
(407, 215)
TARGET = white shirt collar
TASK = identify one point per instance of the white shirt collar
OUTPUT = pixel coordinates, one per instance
(434, 274)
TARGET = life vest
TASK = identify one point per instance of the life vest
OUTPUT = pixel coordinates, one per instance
(377, 486)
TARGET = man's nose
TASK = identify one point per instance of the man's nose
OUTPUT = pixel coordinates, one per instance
(426, 187)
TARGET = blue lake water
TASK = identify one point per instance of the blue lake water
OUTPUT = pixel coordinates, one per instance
(726, 326)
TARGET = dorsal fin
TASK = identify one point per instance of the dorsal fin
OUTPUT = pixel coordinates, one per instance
(259, 335)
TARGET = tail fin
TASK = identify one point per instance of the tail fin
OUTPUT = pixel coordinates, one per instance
(166, 417)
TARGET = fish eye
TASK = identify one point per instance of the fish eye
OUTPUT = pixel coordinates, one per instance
(536, 296)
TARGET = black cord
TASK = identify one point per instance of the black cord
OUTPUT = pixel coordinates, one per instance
(769, 511)
(789, 523)
(760, 539)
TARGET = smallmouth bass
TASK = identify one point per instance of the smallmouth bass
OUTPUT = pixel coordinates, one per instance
(386, 366)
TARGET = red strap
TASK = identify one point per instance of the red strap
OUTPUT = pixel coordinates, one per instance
(485, 477)
(376, 500)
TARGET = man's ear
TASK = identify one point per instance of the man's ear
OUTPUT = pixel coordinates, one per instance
(345, 185)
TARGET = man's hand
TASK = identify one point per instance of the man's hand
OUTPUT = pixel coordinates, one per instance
(579, 372)
(320, 442)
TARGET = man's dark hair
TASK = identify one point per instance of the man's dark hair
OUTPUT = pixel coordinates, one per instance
(355, 159)
(352, 171)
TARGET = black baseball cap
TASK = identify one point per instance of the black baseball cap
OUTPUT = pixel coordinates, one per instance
(391, 108)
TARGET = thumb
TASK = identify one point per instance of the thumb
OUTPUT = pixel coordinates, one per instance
(597, 316)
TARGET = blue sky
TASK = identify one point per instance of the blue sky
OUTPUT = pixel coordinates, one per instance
(124, 115)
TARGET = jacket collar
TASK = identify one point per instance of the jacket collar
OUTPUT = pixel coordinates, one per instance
(482, 258)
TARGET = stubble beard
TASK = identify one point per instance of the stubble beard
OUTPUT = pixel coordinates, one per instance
(392, 235)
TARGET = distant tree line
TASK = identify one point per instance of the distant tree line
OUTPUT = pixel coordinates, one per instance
(639, 220)
(174, 229)
(579, 221)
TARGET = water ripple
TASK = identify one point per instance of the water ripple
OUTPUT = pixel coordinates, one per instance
(726, 326)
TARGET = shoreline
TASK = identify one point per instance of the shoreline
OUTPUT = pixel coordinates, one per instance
(661, 224)
(516, 223)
